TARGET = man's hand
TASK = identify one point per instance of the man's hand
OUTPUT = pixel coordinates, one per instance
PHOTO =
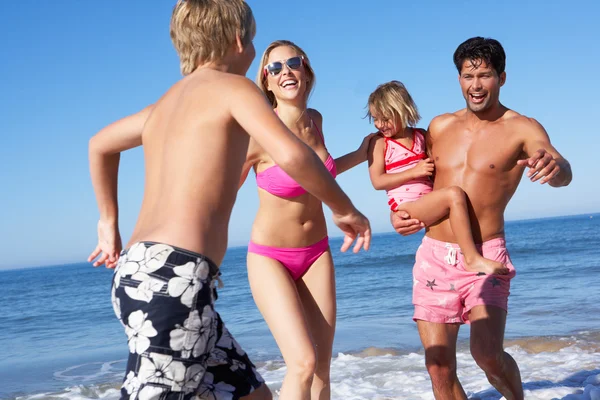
(109, 245)
(403, 224)
(542, 165)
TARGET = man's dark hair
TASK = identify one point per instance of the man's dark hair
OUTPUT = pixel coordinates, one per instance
(481, 50)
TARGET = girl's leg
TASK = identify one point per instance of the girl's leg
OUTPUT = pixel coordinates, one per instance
(277, 299)
(452, 202)
(317, 293)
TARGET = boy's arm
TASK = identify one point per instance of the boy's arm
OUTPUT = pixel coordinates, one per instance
(251, 159)
(104, 155)
(254, 114)
(545, 163)
(379, 178)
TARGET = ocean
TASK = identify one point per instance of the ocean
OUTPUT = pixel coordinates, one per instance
(60, 338)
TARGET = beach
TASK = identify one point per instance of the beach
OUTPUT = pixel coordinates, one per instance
(62, 340)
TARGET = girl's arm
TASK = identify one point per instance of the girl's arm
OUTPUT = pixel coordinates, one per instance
(379, 178)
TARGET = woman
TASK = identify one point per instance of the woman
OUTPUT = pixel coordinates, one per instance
(289, 257)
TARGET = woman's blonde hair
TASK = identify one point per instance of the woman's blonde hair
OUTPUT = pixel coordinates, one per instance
(203, 31)
(261, 79)
(392, 100)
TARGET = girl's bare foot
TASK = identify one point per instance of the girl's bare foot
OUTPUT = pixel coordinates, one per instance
(481, 264)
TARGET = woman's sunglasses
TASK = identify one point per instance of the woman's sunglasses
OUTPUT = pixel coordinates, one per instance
(276, 67)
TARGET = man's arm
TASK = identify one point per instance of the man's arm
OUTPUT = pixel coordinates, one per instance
(545, 163)
(403, 224)
(104, 154)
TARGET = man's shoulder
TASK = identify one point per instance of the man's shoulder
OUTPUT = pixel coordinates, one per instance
(518, 122)
(514, 117)
(443, 122)
(443, 118)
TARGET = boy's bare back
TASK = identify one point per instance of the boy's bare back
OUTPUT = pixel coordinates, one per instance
(194, 151)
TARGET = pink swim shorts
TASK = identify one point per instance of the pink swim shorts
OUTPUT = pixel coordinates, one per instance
(444, 292)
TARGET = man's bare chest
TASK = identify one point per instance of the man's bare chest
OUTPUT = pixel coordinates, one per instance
(480, 153)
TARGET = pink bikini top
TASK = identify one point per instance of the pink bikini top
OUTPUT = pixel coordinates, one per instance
(275, 181)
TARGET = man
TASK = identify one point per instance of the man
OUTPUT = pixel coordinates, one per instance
(195, 141)
(484, 149)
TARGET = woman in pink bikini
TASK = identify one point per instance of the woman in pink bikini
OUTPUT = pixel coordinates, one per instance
(290, 268)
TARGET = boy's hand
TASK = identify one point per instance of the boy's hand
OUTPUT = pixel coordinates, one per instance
(354, 225)
(109, 245)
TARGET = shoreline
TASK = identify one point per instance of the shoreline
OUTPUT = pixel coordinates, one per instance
(239, 246)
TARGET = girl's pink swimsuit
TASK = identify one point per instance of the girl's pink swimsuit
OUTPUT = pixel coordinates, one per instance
(297, 260)
(399, 158)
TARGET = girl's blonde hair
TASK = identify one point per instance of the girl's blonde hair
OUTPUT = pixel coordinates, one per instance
(392, 100)
(203, 31)
(261, 79)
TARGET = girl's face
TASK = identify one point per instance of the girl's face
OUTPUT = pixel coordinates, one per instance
(384, 125)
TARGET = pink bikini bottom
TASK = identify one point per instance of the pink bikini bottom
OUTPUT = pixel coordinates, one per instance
(297, 260)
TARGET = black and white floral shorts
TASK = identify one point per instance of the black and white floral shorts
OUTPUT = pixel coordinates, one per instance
(179, 347)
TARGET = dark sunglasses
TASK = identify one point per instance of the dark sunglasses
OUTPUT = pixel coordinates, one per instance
(276, 67)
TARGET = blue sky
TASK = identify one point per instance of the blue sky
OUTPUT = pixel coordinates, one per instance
(69, 68)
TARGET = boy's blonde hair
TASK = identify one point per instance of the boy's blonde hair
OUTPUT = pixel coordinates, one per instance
(392, 100)
(203, 31)
(261, 79)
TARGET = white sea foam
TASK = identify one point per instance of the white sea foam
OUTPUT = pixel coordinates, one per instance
(571, 373)
(556, 370)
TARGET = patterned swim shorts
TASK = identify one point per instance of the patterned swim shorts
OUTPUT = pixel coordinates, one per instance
(179, 347)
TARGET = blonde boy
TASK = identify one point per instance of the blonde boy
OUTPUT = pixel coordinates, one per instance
(195, 140)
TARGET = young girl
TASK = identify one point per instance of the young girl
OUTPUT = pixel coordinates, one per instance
(398, 164)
